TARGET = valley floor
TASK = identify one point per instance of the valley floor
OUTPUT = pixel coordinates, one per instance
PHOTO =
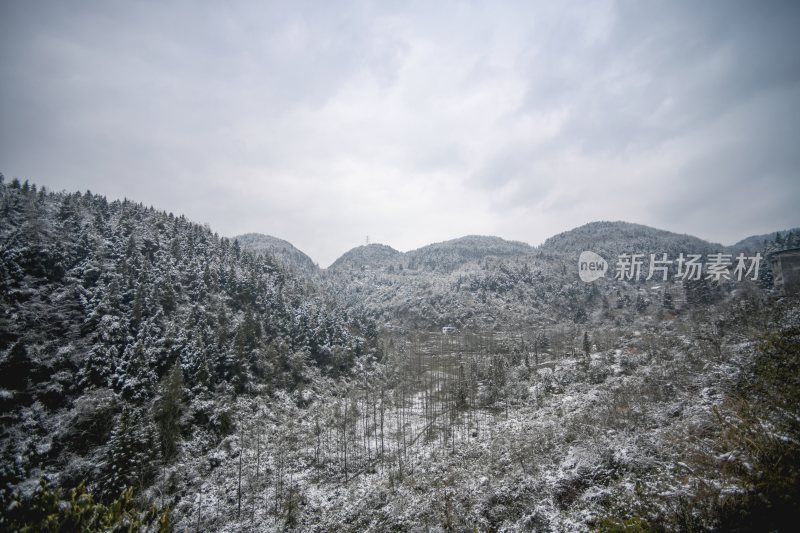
(651, 433)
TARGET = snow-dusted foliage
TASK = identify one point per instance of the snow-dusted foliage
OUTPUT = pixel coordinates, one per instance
(471, 385)
(101, 299)
(282, 251)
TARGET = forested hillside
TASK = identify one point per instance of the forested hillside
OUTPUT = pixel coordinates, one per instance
(610, 239)
(778, 240)
(369, 257)
(282, 251)
(487, 283)
(154, 375)
(127, 334)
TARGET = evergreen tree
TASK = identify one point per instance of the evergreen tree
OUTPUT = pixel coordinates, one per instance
(168, 411)
(666, 302)
(587, 346)
(131, 453)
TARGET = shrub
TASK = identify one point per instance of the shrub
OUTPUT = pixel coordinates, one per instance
(51, 510)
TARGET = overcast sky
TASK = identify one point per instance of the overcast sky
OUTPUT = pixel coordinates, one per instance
(324, 122)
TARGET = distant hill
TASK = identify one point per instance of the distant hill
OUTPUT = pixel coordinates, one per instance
(757, 243)
(369, 257)
(283, 251)
(447, 256)
(610, 239)
(490, 283)
(438, 257)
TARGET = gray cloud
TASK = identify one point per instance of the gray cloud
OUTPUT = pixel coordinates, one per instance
(325, 122)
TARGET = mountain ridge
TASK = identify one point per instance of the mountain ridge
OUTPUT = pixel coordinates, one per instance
(281, 250)
(367, 256)
(460, 250)
(758, 242)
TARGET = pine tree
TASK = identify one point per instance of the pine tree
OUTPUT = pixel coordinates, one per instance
(99, 367)
(131, 452)
(15, 370)
(698, 291)
(587, 346)
(666, 303)
(168, 411)
(135, 377)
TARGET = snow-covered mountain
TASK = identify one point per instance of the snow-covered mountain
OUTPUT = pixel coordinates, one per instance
(490, 283)
(230, 393)
(449, 255)
(789, 238)
(127, 335)
(610, 239)
(437, 257)
(369, 257)
(283, 251)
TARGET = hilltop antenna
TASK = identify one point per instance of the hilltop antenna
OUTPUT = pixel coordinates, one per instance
(367, 239)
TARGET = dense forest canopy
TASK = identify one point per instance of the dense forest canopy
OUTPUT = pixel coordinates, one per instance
(114, 313)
